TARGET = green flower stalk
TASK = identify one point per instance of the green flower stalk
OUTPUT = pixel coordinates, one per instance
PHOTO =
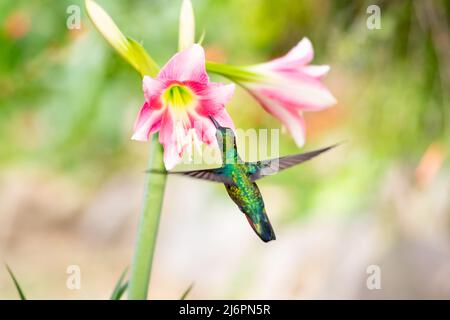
(148, 225)
(138, 58)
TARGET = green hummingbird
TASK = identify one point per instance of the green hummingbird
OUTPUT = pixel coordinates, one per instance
(239, 178)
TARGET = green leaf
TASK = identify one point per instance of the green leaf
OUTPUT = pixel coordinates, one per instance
(120, 287)
(143, 63)
(131, 51)
(186, 31)
(188, 290)
(16, 283)
(202, 37)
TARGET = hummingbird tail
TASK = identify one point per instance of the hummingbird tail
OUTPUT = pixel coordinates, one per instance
(262, 227)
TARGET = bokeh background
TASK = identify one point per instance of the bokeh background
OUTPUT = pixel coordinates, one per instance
(71, 181)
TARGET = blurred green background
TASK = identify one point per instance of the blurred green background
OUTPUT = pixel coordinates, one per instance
(71, 178)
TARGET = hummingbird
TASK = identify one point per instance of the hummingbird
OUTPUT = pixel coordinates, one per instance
(239, 178)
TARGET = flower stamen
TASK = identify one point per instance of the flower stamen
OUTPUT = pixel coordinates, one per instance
(178, 97)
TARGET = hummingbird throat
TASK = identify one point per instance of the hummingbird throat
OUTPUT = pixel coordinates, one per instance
(229, 150)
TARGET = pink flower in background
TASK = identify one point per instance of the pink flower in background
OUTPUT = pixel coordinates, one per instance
(178, 103)
(285, 86)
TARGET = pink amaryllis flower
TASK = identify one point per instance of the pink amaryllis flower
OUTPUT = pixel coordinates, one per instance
(285, 87)
(178, 103)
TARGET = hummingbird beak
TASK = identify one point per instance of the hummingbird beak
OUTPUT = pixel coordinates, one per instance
(216, 124)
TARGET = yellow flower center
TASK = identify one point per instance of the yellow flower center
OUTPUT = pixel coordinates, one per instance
(178, 96)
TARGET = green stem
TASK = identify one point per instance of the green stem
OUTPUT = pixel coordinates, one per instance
(235, 73)
(148, 225)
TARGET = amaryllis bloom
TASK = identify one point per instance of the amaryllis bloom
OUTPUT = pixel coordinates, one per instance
(285, 87)
(178, 103)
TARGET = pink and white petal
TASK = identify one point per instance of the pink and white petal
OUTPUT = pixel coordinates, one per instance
(316, 71)
(166, 132)
(168, 138)
(219, 93)
(197, 87)
(207, 108)
(148, 121)
(303, 52)
(213, 99)
(310, 94)
(188, 64)
(171, 156)
(142, 116)
(303, 92)
(224, 119)
(204, 128)
(295, 123)
(298, 56)
(292, 120)
(152, 91)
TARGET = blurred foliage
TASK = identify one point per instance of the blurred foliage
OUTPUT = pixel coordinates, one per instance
(67, 102)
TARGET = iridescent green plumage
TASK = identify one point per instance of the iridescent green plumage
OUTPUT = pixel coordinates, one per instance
(239, 178)
(244, 192)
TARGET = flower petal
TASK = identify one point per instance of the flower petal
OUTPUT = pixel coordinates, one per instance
(171, 156)
(298, 56)
(224, 119)
(219, 93)
(187, 65)
(214, 97)
(168, 138)
(152, 91)
(302, 53)
(297, 90)
(204, 128)
(147, 122)
(293, 121)
(316, 71)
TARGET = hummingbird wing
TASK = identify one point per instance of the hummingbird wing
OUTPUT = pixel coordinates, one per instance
(260, 169)
(215, 175)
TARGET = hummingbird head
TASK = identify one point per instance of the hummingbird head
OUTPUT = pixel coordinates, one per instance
(224, 135)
